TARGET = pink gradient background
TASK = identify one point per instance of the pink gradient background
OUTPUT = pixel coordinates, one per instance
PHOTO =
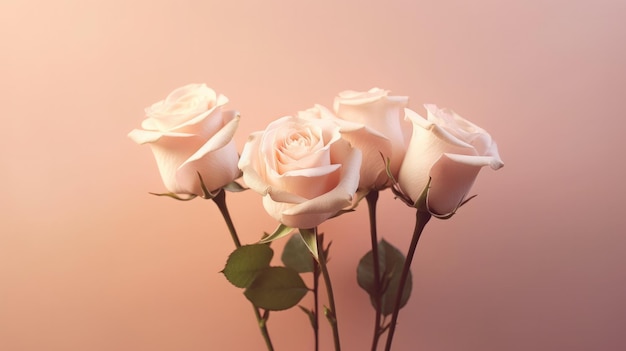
(90, 261)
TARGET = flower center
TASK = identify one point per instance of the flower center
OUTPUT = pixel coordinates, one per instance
(299, 148)
(298, 143)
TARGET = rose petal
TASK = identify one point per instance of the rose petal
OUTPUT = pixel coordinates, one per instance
(460, 128)
(437, 132)
(351, 97)
(296, 143)
(216, 161)
(307, 183)
(184, 109)
(379, 112)
(309, 157)
(221, 138)
(478, 161)
(197, 89)
(427, 144)
(280, 195)
(317, 112)
(305, 220)
(206, 128)
(313, 212)
(452, 178)
(148, 136)
(372, 144)
(217, 168)
(149, 124)
(382, 114)
(170, 153)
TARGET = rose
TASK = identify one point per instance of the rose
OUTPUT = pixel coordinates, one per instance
(450, 151)
(190, 135)
(303, 168)
(377, 128)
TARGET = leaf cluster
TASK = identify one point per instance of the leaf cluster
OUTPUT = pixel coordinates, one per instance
(267, 287)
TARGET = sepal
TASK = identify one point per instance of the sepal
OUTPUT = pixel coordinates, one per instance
(309, 237)
(234, 187)
(395, 187)
(281, 231)
(449, 215)
(206, 194)
(311, 316)
(175, 196)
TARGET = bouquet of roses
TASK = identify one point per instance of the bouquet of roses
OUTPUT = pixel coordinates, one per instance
(313, 166)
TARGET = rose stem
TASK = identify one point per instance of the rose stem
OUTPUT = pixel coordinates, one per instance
(316, 314)
(421, 218)
(372, 199)
(332, 313)
(220, 200)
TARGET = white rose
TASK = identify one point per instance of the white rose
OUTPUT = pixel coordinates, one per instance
(382, 131)
(189, 134)
(303, 168)
(451, 151)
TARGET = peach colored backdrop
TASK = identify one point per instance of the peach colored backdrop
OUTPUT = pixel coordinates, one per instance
(90, 261)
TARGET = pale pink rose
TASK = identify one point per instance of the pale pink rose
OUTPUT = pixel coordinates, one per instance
(378, 127)
(451, 151)
(190, 134)
(303, 168)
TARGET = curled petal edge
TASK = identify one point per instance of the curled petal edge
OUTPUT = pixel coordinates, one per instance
(338, 198)
(220, 139)
(493, 161)
(439, 132)
(141, 136)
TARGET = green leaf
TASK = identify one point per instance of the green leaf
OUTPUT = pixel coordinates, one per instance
(309, 237)
(390, 265)
(297, 256)
(281, 231)
(246, 262)
(276, 289)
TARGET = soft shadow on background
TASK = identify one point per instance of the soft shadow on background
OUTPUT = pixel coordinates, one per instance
(90, 261)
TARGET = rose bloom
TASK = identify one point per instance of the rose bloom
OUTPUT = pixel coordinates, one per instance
(451, 151)
(303, 168)
(377, 127)
(190, 134)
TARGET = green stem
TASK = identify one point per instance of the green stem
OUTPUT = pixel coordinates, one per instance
(220, 200)
(316, 313)
(331, 312)
(372, 199)
(421, 218)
